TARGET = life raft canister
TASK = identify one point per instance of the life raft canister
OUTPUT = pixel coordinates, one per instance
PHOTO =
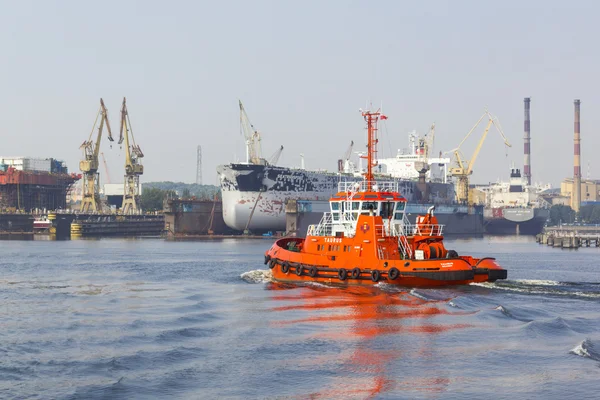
(427, 225)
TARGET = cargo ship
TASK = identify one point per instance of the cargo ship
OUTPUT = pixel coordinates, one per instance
(28, 184)
(255, 192)
(514, 207)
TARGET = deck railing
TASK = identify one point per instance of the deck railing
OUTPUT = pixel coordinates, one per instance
(363, 186)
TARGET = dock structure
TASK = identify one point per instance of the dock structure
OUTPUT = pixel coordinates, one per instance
(570, 237)
(117, 225)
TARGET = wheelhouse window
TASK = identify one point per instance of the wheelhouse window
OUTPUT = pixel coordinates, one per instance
(399, 210)
(335, 206)
(387, 209)
(367, 205)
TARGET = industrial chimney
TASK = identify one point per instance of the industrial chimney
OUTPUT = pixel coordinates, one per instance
(527, 162)
(576, 199)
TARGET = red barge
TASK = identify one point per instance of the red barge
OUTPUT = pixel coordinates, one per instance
(366, 238)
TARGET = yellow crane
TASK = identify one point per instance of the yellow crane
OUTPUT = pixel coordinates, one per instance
(464, 168)
(133, 167)
(89, 165)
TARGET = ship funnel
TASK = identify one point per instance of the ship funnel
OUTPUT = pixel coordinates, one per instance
(527, 142)
(576, 197)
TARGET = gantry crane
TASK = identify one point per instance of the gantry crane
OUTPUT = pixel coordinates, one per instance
(133, 167)
(252, 137)
(89, 165)
(463, 169)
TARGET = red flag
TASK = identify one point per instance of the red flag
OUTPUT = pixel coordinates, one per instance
(383, 116)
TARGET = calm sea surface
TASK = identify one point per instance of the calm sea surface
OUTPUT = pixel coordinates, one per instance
(149, 319)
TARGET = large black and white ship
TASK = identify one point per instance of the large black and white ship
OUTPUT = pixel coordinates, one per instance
(255, 192)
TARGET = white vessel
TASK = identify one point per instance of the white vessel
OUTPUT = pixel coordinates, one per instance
(514, 207)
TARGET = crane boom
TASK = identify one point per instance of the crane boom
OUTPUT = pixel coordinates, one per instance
(463, 168)
(275, 157)
(133, 166)
(105, 168)
(348, 152)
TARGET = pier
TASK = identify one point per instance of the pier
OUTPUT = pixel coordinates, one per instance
(570, 237)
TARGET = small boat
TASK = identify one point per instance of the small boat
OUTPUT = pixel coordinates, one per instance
(41, 224)
(366, 238)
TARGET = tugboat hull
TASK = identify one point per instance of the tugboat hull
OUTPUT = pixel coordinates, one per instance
(296, 267)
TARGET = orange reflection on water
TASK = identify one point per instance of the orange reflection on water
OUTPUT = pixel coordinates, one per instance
(362, 315)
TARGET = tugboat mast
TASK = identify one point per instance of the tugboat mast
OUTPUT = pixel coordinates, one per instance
(372, 119)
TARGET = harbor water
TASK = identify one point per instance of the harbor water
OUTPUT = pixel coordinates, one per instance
(151, 319)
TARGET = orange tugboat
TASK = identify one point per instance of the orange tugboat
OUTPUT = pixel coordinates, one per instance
(366, 238)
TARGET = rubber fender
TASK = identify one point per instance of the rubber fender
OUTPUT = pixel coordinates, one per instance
(299, 269)
(393, 273)
(342, 274)
(312, 271)
(267, 259)
(356, 273)
(452, 254)
(375, 275)
(272, 263)
(285, 267)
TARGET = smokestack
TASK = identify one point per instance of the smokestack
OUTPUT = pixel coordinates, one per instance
(576, 199)
(527, 162)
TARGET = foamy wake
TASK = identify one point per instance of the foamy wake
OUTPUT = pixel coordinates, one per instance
(416, 294)
(503, 310)
(257, 276)
(586, 349)
(537, 282)
(520, 287)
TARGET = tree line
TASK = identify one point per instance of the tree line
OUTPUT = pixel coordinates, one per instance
(560, 214)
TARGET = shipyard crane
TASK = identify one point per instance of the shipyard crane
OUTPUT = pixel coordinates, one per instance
(89, 165)
(252, 137)
(344, 162)
(429, 139)
(464, 168)
(133, 166)
(275, 157)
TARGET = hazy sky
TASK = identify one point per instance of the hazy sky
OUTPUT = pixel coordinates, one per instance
(302, 69)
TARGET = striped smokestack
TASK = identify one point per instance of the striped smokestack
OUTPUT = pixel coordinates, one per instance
(576, 200)
(527, 140)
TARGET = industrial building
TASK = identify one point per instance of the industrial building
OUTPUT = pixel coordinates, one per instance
(590, 190)
(28, 183)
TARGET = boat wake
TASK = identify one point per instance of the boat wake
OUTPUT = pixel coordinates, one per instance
(586, 349)
(258, 276)
(589, 290)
